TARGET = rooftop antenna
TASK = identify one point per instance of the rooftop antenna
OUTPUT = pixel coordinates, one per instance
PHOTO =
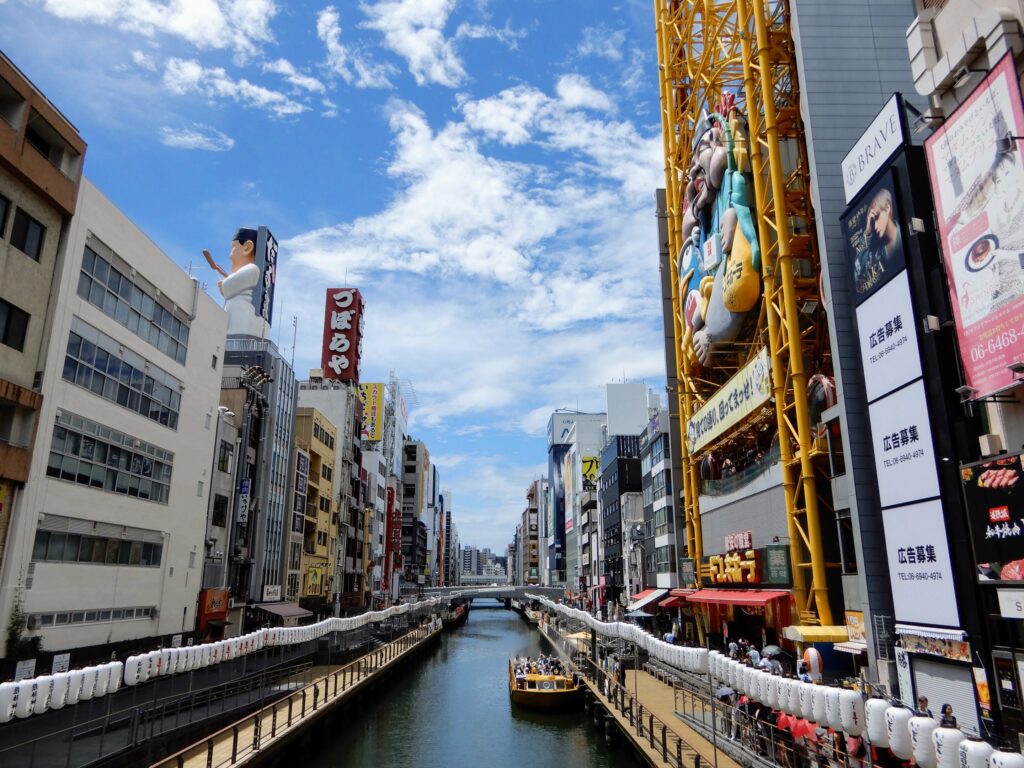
(295, 336)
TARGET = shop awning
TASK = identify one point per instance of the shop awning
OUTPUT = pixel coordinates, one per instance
(736, 596)
(218, 623)
(851, 646)
(648, 596)
(676, 598)
(936, 633)
(284, 610)
(812, 633)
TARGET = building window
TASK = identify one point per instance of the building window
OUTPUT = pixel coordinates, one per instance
(117, 296)
(85, 452)
(106, 374)
(91, 616)
(13, 325)
(219, 517)
(27, 234)
(224, 456)
(58, 547)
(5, 206)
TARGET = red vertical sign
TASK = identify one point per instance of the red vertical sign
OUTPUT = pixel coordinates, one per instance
(392, 540)
(343, 334)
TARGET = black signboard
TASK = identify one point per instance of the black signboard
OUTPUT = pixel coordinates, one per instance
(873, 237)
(994, 492)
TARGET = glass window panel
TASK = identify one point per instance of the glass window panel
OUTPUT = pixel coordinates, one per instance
(53, 465)
(113, 367)
(71, 546)
(172, 421)
(85, 549)
(180, 355)
(87, 354)
(113, 547)
(122, 483)
(46, 620)
(133, 400)
(109, 303)
(124, 290)
(148, 305)
(41, 542)
(88, 259)
(100, 359)
(83, 376)
(145, 489)
(91, 615)
(137, 377)
(87, 448)
(136, 297)
(55, 548)
(113, 279)
(78, 617)
(99, 550)
(125, 374)
(132, 321)
(74, 344)
(113, 455)
(125, 553)
(70, 369)
(121, 312)
(84, 285)
(96, 293)
(147, 554)
(101, 268)
(135, 557)
(136, 465)
(117, 614)
(68, 468)
(84, 474)
(104, 615)
(158, 550)
(62, 618)
(97, 476)
(96, 385)
(133, 486)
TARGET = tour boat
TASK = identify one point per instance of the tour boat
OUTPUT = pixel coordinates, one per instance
(537, 691)
(454, 616)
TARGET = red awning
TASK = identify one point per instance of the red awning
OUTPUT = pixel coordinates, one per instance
(672, 602)
(736, 596)
(642, 595)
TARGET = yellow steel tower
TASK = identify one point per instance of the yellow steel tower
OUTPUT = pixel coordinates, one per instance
(742, 49)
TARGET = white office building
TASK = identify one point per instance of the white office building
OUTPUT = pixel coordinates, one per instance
(107, 540)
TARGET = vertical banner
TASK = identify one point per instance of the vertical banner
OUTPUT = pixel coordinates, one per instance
(372, 396)
(266, 260)
(343, 334)
(977, 177)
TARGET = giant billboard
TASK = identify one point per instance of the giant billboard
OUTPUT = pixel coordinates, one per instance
(977, 179)
(994, 492)
(343, 334)
(372, 396)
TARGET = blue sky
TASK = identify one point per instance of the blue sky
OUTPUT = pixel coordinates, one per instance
(483, 170)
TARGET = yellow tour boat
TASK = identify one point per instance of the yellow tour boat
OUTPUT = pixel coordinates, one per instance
(528, 687)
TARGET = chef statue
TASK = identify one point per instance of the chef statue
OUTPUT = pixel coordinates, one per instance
(237, 287)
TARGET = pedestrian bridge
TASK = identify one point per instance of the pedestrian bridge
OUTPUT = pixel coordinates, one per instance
(501, 592)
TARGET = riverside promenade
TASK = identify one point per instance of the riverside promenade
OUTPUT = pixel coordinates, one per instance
(250, 739)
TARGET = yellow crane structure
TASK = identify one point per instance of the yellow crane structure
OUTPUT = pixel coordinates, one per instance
(743, 50)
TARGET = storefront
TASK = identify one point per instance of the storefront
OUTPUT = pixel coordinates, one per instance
(277, 615)
(757, 615)
(212, 616)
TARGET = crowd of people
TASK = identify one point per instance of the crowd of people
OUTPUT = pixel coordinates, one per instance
(542, 665)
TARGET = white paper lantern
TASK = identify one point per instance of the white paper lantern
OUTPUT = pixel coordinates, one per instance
(701, 661)
(832, 715)
(8, 692)
(794, 698)
(874, 717)
(114, 678)
(921, 729)
(131, 670)
(851, 712)
(43, 688)
(997, 759)
(772, 699)
(59, 693)
(820, 694)
(897, 729)
(23, 706)
(102, 681)
(89, 675)
(807, 700)
(75, 677)
(947, 747)
(975, 753)
(207, 657)
(164, 662)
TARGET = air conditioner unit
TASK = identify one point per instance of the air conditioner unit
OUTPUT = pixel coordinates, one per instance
(32, 623)
(990, 444)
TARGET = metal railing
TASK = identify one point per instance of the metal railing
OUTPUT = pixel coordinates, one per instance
(260, 729)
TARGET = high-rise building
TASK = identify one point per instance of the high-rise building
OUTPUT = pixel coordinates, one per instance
(416, 496)
(619, 475)
(318, 437)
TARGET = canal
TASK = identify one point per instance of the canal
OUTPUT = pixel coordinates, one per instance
(451, 707)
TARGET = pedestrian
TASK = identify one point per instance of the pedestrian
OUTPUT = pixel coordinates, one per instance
(805, 676)
(947, 720)
(922, 707)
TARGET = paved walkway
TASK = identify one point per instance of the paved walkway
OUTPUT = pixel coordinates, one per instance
(665, 739)
(241, 741)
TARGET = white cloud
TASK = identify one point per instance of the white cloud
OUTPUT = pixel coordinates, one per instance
(198, 136)
(144, 61)
(288, 71)
(576, 91)
(510, 37)
(603, 42)
(354, 68)
(509, 116)
(414, 29)
(330, 108)
(240, 25)
(189, 76)
(634, 76)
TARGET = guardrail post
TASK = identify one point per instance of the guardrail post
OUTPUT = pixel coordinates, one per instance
(273, 722)
(209, 753)
(650, 730)
(303, 714)
(640, 720)
(234, 744)
(664, 743)
(256, 732)
(679, 754)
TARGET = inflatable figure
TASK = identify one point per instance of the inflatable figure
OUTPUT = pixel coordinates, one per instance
(720, 261)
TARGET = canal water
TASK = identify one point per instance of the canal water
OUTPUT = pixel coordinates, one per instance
(450, 707)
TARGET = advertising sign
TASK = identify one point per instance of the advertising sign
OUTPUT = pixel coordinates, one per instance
(873, 238)
(301, 490)
(882, 139)
(372, 396)
(271, 592)
(888, 338)
(591, 469)
(215, 602)
(343, 334)
(734, 568)
(903, 674)
(904, 453)
(739, 540)
(977, 175)
(919, 564)
(994, 492)
(242, 510)
(314, 580)
(855, 626)
(745, 392)
(61, 663)
(394, 532)
(266, 260)
(776, 564)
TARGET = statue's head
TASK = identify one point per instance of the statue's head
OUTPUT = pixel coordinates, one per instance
(243, 248)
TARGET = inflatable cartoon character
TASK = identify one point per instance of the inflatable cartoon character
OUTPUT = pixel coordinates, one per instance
(720, 261)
